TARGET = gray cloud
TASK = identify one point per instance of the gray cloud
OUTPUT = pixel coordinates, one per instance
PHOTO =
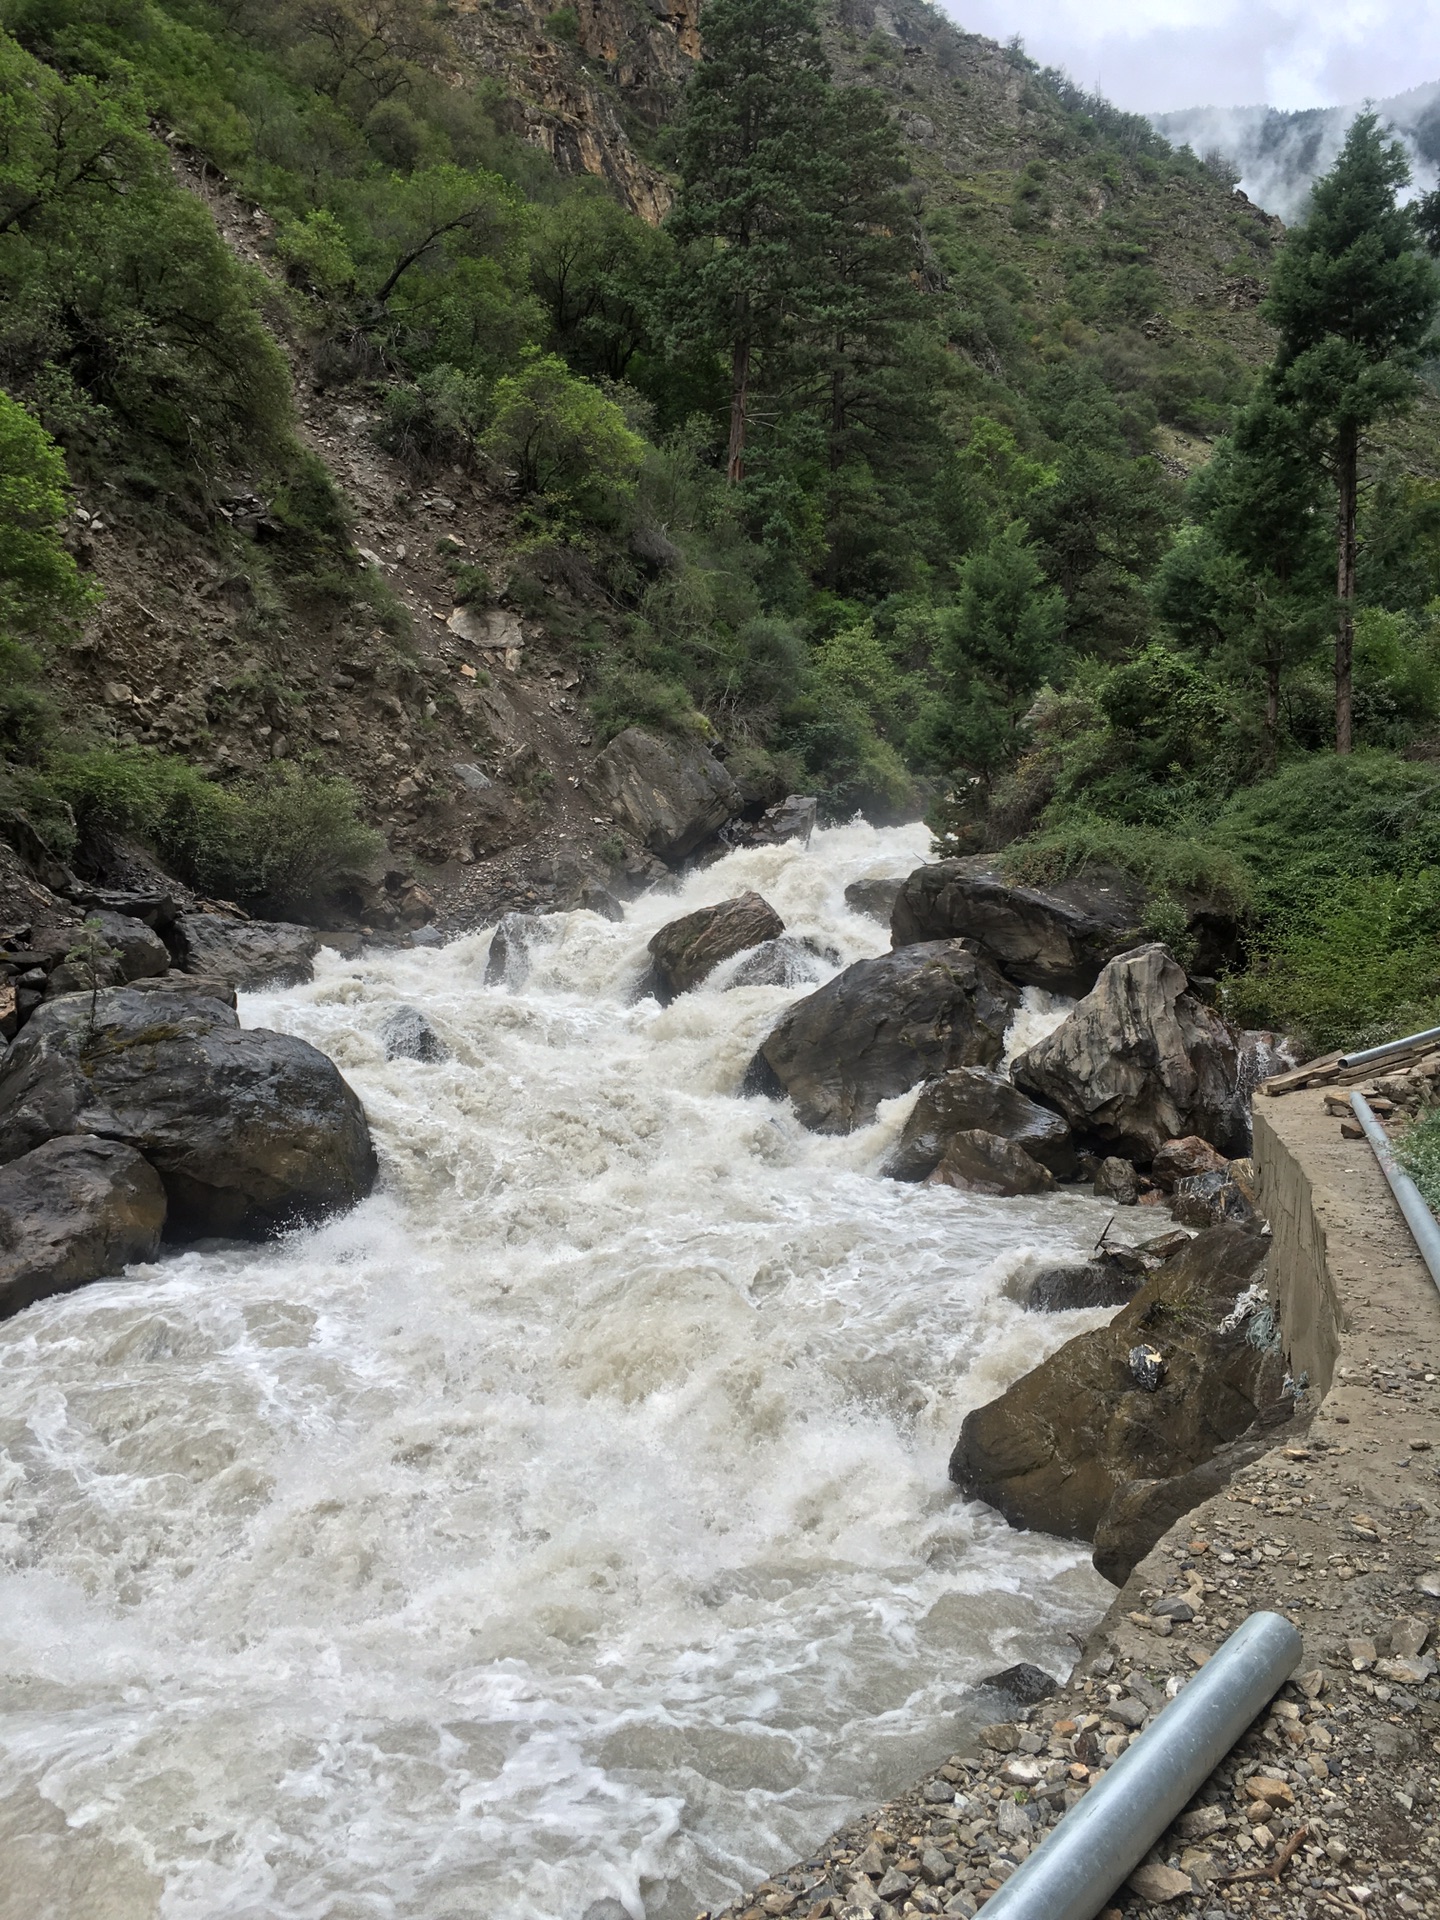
(1159, 55)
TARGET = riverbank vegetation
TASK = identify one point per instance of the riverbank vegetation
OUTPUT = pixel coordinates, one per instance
(868, 477)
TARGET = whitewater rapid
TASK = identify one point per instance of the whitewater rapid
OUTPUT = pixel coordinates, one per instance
(569, 1523)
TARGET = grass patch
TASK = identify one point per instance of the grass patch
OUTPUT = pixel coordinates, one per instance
(1418, 1151)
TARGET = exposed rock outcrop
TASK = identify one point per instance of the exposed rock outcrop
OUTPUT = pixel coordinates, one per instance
(881, 1026)
(971, 1098)
(247, 953)
(1055, 937)
(1140, 1062)
(786, 962)
(689, 949)
(793, 818)
(1156, 1394)
(132, 952)
(1183, 1159)
(875, 897)
(980, 1162)
(250, 1131)
(673, 794)
(1225, 1193)
(71, 1211)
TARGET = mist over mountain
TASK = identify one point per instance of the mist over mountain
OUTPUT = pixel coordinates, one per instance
(1279, 156)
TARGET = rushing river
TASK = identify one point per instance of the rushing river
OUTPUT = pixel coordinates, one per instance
(570, 1523)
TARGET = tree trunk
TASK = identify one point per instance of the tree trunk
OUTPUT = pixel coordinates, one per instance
(739, 408)
(837, 409)
(1347, 473)
(1272, 713)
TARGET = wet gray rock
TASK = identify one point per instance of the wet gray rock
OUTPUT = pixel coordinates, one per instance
(247, 953)
(1057, 937)
(971, 1098)
(786, 962)
(1098, 1283)
(793, 818)
(881, 1026)
(1057, 1448)
(874, 897)
(71, 1211)
(597, 899)
(249, 1131)
(688, 950)
(672, 794)
(513, 947)
(1227, 1193)
(979, 1162)
(408, 1035)
(135, 953)
(1118, 1182)
(1139, 1062)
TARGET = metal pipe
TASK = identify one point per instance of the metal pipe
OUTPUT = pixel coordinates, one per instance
(1412, 1203)
(1388, 1051)
(1105, 1836)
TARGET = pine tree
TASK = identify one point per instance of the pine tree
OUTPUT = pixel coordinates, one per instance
(751, 160)
(1353, 299)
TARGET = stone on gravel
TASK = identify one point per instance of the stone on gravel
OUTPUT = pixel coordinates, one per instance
(687, 950)
(1161, 1884)
(408, 1035)
(979, 1162)
(1054, 1451)
(672, 794)
(72, 1211)
(880, 1027)
(977, 1098)
(1140, 1062)
(250, 1131)
(1057, 937)
(247, 953)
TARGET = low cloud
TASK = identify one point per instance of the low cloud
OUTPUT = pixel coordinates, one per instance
(1155, 56)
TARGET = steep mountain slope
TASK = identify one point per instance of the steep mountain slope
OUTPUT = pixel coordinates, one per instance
(1057, 233)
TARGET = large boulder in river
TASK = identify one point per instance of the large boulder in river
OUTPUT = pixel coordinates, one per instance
(1173, 1380)
(672, 794)
(247, 953)
(1057, 937)
(881, 1026)
(1140, 1062)
(250, 1131)
(976, 1098)
(980, 1162)
(688, 949)
(72, 1211)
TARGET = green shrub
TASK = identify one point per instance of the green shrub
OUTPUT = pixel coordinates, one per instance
(275, 842)
(564, 24)
(1418, 1151)
(1171, 865)
(564, 439)
(629, 696)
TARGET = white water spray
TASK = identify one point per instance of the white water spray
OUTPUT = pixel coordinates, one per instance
(569, 1523)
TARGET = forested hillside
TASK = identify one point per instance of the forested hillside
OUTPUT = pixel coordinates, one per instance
(394, 387)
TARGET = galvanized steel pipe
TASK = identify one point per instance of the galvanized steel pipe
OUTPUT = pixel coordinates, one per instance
(1105, 1836)
(1373, 1055)
(1413, 1204)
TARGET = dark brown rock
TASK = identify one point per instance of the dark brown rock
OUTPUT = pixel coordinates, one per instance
(979, 1162)
(1099, 1283)
(1183, 1159)
(72, 1211)
(1057, 937)
(247, 953)
(1053, 1452)
(1140, 1062)
(249, 1131)
(971, 1098)
(687, 950)
(881, 1026)
(1140, 1511)
(672, 794)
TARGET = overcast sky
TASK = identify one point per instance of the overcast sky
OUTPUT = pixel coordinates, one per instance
(1157, 55)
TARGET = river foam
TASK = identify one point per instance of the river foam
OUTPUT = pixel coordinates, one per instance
(568, 1523)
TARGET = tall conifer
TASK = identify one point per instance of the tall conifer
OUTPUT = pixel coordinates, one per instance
(1353, 299)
